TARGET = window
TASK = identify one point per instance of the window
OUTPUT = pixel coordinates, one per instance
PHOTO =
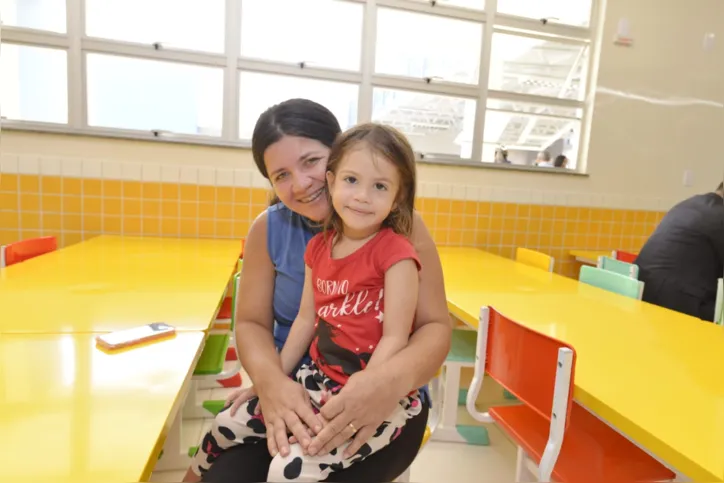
(35, 14)
(35, 83)
(434, 124)
(539, 67)
(320, 33)
(147, 95)
(420, 45)
(179, 24)
(572, 12)
(203, 70)
(257, 92)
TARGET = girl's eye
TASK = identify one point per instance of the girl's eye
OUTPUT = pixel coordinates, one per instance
(350, 179)
(380, 186)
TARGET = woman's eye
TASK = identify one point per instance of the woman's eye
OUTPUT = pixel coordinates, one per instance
(280, 177)
(380, 186)
(350, 179)
(312, 161)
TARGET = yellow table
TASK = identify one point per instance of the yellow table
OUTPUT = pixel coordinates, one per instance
(589, 257)
(653, 374)
(110, 283)
(72, 413)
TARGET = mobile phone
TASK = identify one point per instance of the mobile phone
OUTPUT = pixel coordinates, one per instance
(135, 335)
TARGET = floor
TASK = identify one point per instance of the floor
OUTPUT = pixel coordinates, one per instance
(436, 462)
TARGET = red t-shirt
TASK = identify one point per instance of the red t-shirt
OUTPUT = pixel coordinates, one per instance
(348, 299)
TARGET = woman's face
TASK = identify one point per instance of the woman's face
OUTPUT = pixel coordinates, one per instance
(297, 168)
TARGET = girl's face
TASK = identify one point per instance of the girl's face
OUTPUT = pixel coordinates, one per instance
(296, 168)
(364, 191)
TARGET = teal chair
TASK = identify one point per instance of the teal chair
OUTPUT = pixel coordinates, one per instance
(613, 282)
(718, 309)
(617, 266)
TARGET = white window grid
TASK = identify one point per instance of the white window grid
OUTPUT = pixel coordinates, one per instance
(77, 45)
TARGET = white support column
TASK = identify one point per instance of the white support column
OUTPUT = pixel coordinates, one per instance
(230, 112)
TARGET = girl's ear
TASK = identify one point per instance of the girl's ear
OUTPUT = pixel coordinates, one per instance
(330, 179)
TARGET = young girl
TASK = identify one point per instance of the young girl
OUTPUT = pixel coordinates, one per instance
(358, 303)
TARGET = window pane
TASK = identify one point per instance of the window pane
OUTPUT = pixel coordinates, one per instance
(34, 14)
(322, 33)
(419, 45)
(148, 94)
(524, 135)
(472, 4)
(573, 12)
(258, 92)
(538, 67)
(434, 124)
(181, 24)
(539, 109)
(34, 83)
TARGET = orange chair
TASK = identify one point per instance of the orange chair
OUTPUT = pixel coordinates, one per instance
(26, 249)
(559, 437)
(624, 256)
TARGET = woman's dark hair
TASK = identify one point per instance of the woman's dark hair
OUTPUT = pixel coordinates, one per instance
(391, 144)
(294, 117)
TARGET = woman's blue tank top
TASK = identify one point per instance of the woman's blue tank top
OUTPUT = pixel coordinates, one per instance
(287, 236)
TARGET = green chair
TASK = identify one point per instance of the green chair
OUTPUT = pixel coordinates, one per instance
(617, 266)
(613, 282)
(211, 365)
(462, 354)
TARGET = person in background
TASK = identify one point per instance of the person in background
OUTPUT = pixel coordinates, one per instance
(683, 259)
(501, 156)
(291, 146)
(560, 162)
(544, 159)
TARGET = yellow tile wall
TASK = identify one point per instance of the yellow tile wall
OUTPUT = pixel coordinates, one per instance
(75, 209)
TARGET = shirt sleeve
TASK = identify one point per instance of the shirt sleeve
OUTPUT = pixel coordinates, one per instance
(395, 248)
(314, 249)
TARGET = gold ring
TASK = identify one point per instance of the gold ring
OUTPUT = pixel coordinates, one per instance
(353, 428)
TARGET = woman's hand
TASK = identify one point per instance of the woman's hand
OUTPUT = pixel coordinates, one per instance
(287, 408)
(362, 405)
(239, 397)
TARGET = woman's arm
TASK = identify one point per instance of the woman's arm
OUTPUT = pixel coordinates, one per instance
(302, 331)
(401, 286)
(285, 403)
(370, 395)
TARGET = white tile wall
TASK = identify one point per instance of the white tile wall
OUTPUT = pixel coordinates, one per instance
(210, 176)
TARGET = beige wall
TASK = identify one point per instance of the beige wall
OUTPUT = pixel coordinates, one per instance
(638, 151)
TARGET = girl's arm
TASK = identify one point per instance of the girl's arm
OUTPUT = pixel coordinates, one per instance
(401, 287)
(302, 331)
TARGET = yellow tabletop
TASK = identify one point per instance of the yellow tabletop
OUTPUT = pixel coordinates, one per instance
(110, 283)
(589, 256)
(654, 374)
(70, 412)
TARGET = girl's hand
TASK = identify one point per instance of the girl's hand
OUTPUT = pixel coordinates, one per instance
(287, 408)
(239, 397)
(362, 405)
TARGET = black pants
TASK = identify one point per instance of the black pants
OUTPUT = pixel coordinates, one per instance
(665, 292)
(249, 463)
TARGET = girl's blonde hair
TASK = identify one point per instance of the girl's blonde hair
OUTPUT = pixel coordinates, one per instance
(391, 144)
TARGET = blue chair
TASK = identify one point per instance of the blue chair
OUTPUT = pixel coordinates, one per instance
(613, 282)
(617, 266)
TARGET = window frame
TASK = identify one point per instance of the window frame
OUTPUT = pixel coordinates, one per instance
(78, 44)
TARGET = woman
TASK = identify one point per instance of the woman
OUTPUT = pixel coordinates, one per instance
(290, 146)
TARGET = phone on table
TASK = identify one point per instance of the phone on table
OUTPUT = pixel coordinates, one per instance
(134, 336)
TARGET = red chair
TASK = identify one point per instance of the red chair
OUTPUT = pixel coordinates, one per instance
(624, 256)
(26, 249)
(555, 434)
